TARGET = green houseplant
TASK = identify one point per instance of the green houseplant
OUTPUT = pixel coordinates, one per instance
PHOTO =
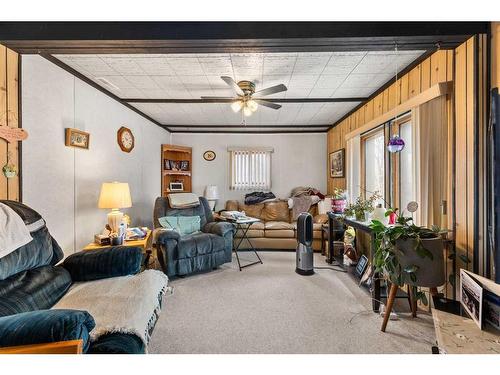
(362, 206)
(409, 254)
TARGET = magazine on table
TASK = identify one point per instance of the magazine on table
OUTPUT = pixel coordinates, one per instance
(480, 297)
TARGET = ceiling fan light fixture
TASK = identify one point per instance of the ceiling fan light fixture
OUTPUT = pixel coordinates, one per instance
(247, 111)
(253, 105)
(236, 106)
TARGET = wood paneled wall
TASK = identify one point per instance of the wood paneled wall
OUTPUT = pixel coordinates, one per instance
(435, 69)
(9, 115)
(466, 67)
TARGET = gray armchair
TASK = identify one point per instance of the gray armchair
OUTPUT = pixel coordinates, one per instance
(181, 255)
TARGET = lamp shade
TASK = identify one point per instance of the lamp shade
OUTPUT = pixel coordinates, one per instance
(212, 192)
(115, 195)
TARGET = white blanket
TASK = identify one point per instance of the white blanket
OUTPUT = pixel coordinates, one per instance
(13, 231)
(127, 304)
(183, 200)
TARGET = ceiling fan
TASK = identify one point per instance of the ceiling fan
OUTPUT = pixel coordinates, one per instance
(245, 101)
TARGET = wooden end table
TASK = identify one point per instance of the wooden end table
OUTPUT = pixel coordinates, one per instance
(144, 243)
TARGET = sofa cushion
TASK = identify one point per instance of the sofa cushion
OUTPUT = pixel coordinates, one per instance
(35, 289)
(45, 326)
(200, 243)
(276, 211)
(252, 210)
(275, 225)
(280, 233)
(41, 251)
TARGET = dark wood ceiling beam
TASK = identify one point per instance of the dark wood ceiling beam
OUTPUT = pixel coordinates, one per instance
(212, 37)
(247, 132)
(240, 126)
(275, 100)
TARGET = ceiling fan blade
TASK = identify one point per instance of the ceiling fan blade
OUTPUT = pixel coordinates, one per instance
(272, 90)
(267, 103)
(233, 84)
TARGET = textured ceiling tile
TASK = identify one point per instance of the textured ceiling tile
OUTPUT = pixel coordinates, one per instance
(328, 81)
(303, 80)
(124, 66)
(155, 66)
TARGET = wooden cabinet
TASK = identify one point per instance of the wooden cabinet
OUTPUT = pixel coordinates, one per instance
(176, 169)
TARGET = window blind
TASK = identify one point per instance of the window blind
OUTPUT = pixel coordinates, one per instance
(250, 169)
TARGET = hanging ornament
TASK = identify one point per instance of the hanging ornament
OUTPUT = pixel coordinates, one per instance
(9, 170)
(395, 144)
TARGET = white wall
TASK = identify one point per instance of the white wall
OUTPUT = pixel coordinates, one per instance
(63, 183)
(298, 160)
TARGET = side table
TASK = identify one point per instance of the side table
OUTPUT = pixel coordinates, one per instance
(243, 226)
(144, 243)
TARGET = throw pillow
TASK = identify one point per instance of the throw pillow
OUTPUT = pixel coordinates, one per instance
(181, 224)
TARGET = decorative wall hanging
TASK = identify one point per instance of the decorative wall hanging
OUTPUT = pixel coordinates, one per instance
(126, 139)
(9, 170)
(77, 138)
(395, 144)
(337, 164)
(209, 155)
(8, 133)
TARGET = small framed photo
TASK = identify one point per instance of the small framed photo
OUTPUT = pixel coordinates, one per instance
(184, 165)
(77, 138)
(337, 163)
(167, 165)
(471, 297)
(175, 165)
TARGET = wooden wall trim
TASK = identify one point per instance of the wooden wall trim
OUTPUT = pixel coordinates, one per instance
(10, 116)
(433, 92)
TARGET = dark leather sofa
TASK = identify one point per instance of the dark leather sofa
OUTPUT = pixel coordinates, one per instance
(31, 282)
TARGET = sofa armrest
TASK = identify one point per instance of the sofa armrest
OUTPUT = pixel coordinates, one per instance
(218, 228)
(163, 235)
(97, 264)
(320, 219)
(46, 326)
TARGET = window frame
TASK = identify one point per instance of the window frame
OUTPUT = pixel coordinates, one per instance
(396, 129)
(364, 137)
(267, 151)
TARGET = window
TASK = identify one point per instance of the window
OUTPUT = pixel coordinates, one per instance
(250, 168)
(374, 163)
(406, 170)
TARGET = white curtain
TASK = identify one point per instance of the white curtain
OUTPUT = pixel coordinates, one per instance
(250, 169)
(431, 146)
(353, 162)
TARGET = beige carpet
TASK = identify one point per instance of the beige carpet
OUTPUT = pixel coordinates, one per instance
(269, 309)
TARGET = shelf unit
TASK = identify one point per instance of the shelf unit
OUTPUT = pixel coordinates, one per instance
(177, 154)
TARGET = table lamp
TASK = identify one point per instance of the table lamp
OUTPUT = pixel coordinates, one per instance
(115, 195)
(212, 195)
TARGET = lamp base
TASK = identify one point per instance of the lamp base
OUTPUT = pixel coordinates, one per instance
(114, 220)
(212, 203)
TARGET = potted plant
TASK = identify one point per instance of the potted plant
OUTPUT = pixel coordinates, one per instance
(409, 254)
(361, 207)
(339, 200)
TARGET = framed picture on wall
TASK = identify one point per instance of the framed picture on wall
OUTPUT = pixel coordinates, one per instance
(337, 163)
(77, 138)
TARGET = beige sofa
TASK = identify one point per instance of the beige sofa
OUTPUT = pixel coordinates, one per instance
(276, 229)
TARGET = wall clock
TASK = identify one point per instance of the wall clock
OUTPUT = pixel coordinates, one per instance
(209, 155)
(126, 139)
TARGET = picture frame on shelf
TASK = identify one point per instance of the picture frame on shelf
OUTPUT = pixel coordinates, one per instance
(337, 163)
(184, 165)
(167, 165)
(175, 165)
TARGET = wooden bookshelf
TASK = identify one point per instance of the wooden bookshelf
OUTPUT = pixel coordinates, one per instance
(172, 158)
